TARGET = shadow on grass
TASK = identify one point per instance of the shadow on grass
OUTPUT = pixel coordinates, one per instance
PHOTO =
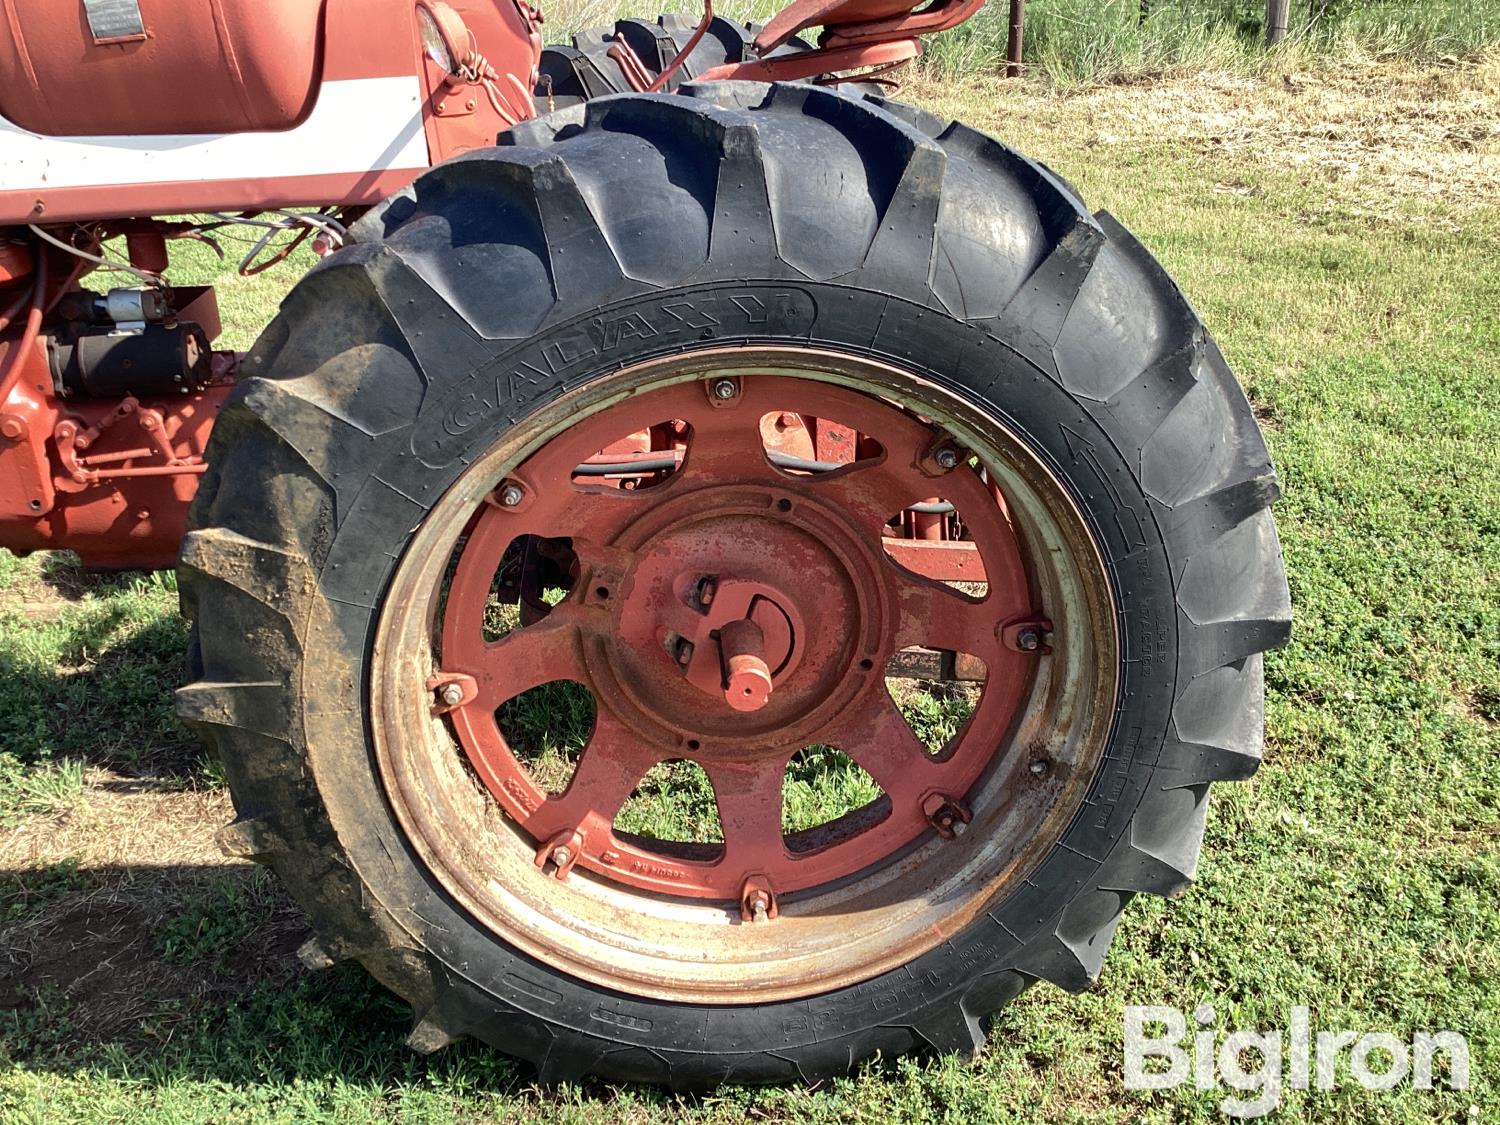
(186, 972)
(95, 686)
(67, 577)
(161, 976)
(172, 972)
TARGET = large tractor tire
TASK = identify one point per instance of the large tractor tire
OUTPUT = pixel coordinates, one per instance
(418, 422)
(582, 69)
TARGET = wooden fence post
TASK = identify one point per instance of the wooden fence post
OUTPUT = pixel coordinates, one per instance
(1277, 14)
(1017, 29)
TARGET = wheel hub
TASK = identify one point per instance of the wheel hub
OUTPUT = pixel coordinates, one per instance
(744, 642)
(744, 610)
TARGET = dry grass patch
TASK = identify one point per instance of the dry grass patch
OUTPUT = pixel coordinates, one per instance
(1379, 134)
(121, 822)
(119, 920)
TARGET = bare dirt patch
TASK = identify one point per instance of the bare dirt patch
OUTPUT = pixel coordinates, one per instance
(124, 920)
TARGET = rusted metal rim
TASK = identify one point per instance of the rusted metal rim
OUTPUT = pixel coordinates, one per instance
(549, 875)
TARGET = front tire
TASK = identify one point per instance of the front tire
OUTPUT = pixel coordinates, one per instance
(509, 287)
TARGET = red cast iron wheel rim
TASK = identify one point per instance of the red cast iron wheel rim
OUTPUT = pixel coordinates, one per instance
(799, 581)
(809, 545)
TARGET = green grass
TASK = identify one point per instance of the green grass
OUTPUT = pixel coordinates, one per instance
(215, 918)
(1357, 873)
(1074, 42)
(87, 667)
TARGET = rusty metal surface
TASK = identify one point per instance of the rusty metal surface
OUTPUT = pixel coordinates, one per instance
(642, 933)
(666, 576)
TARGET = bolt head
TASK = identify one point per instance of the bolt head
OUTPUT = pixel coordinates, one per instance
(1040, 767)
(946, 458)
(1028, 640)
(451, 694)
(760, 906)
(562, 855)
(511, 495)
(726, 389)
(958, 827)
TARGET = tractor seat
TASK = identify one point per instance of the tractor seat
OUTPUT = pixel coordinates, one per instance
(173, 67)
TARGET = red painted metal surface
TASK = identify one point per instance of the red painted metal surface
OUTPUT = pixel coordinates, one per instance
(112, 479)
(664, 571)
(109, 480)
(879, 57)
(250, 64)
(189, 196)
(872, 36)
(498, 44)
(846, 22)
(359, 39)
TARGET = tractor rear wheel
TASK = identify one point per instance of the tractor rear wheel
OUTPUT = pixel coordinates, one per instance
(538, 426)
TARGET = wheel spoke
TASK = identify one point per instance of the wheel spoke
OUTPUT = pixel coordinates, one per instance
(552, 649)
(749, 799)
(935, 615)
(726, 446)
(582, 512)
(611, 766)
(880, 741)
(871, 492)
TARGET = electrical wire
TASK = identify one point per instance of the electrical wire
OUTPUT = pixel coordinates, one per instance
(155, 279)
(304, 222)
(18, 348)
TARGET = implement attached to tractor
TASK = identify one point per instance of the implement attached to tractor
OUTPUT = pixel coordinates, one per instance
(681, 364)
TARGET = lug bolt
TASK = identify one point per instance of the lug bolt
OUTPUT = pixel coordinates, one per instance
(760, 906)
(451, 694)
(1029, 640)
(562, 856)
(1041, 767)
(684, 652)
(726, 389)
(946, 458)
(511, 495)
(949, 816)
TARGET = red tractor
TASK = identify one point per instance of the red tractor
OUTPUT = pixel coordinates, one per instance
(678, 364)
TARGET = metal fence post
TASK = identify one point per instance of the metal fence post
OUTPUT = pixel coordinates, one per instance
(1013, 48)
(1277, 14)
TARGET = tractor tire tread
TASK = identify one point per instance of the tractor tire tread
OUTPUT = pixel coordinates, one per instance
(726, 167)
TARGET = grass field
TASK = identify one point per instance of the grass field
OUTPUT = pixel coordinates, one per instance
(1339, 232)
(1080, 41)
